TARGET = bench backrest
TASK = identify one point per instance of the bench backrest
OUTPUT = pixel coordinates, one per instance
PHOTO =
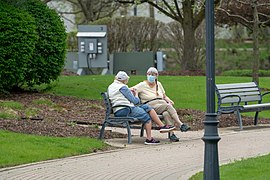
(248, 92)
(107, 103)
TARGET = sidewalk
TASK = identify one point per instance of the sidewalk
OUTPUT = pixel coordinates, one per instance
(178, 160)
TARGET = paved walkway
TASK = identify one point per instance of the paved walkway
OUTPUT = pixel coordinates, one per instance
(138, 161)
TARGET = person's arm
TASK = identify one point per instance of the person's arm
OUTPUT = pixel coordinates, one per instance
(127, 93)
(135, 89)
(166, 98)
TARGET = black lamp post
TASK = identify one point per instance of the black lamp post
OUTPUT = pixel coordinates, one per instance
(210, 138)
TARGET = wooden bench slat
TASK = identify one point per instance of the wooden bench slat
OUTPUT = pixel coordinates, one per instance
(267, 105)
(244, 99)
(242, 94)
(236, 85)
(229, 100)
(221, 91)
(250, 98)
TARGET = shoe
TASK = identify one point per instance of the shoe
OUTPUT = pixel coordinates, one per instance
(151, 142)
(166, 128)
(184, 128)
(174, 138)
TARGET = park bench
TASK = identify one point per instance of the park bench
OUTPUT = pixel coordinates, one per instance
(241, 97)
(126, 122)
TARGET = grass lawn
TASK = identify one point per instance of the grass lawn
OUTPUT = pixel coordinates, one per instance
(252, 168)
(16, 148)
(185, 91)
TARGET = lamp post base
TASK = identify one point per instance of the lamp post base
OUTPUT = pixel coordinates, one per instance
(211, 138)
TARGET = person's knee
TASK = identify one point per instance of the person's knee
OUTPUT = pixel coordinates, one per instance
(148, 123)
(147, 108)
(166, 116)
(171, 110)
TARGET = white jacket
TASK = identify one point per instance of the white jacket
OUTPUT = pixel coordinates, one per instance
(116, 97)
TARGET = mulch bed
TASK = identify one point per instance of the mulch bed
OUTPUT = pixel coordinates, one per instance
(68, 114)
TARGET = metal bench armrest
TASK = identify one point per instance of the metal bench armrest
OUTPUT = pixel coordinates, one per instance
(229, 109)
(268, 92)
(232, 108)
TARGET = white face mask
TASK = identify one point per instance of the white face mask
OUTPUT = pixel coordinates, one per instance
(151, 78)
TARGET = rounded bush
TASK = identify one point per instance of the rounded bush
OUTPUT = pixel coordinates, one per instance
(18, 38)
(48, 59)
(49, 56)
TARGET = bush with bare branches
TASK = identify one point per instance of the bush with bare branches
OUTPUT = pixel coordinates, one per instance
(127, 34)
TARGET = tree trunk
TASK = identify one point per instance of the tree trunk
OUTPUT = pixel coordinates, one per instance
(188, 58)
(151, 11)
(256, 53)
(87, 8)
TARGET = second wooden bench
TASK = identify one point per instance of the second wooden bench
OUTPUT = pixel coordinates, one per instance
(241, 97)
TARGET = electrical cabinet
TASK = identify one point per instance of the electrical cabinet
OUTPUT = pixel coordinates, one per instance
(92, 45)
(136, 63)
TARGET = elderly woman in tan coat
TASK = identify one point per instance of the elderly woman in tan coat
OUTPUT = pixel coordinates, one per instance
(152, 92)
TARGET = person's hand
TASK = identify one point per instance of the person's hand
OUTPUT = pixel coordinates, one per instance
(134, 91)
(168, 100)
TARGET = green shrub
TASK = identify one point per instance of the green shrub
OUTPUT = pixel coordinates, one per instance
(18, 38)
(72, 41)
(245, 72)
(48, 59)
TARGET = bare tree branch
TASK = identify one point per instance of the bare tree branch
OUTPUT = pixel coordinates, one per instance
(234, 15)
(241, 11)
(68, 12)
(177, 7)
(69, 20)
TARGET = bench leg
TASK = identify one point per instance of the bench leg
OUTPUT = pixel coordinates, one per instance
(142, 130)
(239, 119)
(256, 118)
(101, 132)
(129, 133)
(169, 135)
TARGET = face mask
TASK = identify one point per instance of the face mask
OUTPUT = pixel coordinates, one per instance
(151, 78)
